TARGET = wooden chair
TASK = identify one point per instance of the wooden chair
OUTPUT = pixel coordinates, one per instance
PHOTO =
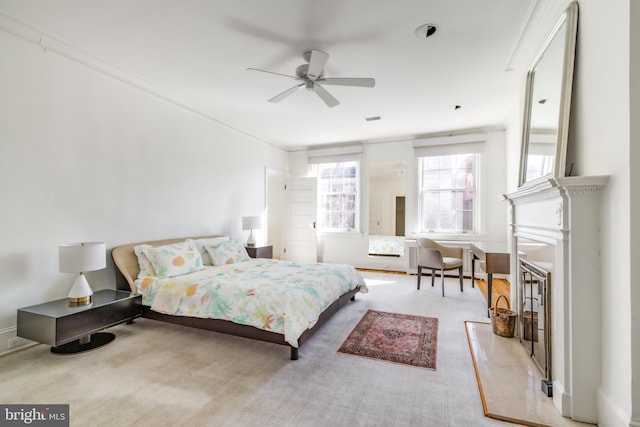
(435, 256)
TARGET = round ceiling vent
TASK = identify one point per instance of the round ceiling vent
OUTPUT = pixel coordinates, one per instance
(425, 31)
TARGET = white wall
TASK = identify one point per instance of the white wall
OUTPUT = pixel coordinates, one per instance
(602, 146)
(352, 248)
(601, 133)
(86, 157)
(634, 227)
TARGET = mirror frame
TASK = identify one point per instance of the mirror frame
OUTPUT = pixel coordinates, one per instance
(569, 19)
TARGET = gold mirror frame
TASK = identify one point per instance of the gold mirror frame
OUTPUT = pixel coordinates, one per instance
(548, 103)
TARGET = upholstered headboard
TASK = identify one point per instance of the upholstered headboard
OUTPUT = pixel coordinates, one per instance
(126, 262)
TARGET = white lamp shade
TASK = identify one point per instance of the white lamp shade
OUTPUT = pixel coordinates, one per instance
(79, 257)
(251, 223)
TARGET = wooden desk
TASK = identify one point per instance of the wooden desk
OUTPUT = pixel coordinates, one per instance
(494, 258)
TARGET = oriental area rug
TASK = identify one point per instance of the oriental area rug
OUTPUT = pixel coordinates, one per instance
(400, 338)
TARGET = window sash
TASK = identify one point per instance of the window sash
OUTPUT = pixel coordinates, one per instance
(338, 194)
(448, 199)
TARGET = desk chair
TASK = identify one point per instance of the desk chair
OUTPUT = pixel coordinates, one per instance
(435, 256)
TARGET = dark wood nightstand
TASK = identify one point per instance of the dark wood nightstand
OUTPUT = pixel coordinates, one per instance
(71, 329)
(260, 251)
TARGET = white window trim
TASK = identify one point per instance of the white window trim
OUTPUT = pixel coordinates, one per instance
(448, 145)
(349, 153)
(346, 153)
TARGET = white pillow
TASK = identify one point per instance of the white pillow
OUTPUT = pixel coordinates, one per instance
(228, 252)
(174, 259)
(213, 241)
(146, 268)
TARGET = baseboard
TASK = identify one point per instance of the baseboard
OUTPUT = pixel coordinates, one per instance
(561, 399)
(377, 270)
(8, 334)
(611, 414)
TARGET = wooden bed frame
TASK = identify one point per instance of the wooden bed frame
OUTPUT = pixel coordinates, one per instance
(127, 270)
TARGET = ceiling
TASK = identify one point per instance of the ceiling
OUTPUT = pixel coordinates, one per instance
(198, 52)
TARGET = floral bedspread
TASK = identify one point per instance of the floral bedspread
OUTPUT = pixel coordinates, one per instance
(278, 296)
(386, 245)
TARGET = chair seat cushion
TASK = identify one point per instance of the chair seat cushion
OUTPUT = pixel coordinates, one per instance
(451, 263)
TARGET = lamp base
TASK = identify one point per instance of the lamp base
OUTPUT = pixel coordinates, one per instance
(85, 343)
(75, 302)
(251, 241)
(80, 293)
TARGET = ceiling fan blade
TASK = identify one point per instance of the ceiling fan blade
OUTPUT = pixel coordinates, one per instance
(325, 96)
(316, 64)
(271, 72)
(279, 97)
(348, 81)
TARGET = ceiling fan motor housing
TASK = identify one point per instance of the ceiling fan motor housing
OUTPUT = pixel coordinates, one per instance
(301, 71)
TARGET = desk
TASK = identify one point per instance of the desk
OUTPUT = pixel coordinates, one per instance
(494, 258)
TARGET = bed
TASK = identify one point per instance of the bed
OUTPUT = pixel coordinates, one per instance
(211, 283)
(389, 246)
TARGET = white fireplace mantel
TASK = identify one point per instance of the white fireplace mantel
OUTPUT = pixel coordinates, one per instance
(565, 213)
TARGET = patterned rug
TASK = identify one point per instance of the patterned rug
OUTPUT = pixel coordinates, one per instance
(400, 338)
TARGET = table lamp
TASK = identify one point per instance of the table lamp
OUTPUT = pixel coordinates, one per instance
(251, 223)
(78, 258)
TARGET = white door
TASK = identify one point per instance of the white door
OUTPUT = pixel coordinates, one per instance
(301, 242)
(276, 211)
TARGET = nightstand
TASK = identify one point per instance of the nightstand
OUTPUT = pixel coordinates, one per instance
(72, 329)
(260, 251)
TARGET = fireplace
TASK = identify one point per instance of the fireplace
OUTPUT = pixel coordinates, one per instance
(534, 314)
(558, 285)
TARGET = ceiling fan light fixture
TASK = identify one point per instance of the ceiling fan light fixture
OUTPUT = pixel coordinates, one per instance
(425, 31)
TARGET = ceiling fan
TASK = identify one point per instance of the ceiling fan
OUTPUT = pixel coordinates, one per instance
(312, 78)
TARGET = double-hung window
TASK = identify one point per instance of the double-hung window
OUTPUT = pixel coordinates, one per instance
(541, 155)
(448, 188)
(338, 191)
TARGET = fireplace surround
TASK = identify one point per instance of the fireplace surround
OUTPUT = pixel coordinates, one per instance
(563, 215)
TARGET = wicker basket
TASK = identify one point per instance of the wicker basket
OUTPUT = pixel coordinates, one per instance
(503, 320)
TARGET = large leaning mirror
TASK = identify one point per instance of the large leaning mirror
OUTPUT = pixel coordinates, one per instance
(548, 103)
(387, 208)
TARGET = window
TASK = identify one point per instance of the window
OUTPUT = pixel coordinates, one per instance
(337, 195)
(448, 193)
(539, 165)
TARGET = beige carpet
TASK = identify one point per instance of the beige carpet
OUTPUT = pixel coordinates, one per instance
(155, 374)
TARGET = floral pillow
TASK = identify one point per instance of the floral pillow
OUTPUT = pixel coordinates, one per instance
(174, 259)
(228, 252)
(146, 268)
(213, 241)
